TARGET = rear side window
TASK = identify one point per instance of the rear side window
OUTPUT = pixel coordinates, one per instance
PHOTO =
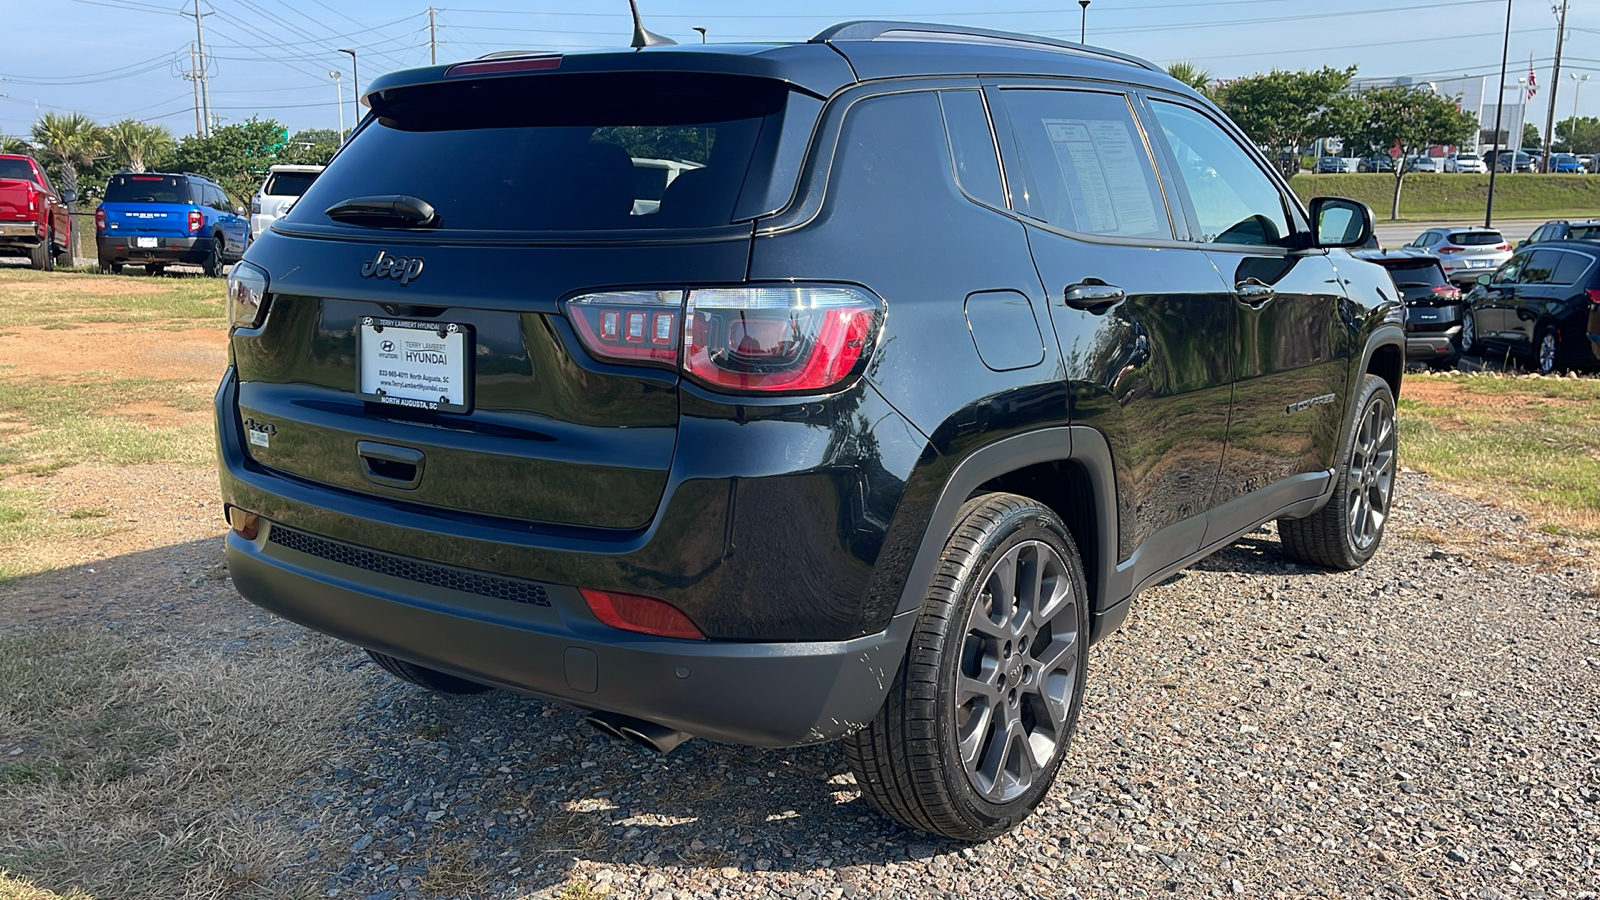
(288, 184)
(558, 153)
(1085, 164)
(147, 189)
(1584, 232)
(972, 146)
(1571, 268)
(1475, 238)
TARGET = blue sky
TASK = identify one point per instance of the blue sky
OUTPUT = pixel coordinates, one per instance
(124, 58)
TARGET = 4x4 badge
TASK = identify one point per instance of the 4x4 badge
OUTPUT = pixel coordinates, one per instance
(403, 269)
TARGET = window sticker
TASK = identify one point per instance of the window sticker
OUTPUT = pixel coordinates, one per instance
(1100, 164)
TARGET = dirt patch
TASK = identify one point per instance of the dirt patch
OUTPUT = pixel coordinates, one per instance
(92, 287)
(1448, 395)
(197, 353)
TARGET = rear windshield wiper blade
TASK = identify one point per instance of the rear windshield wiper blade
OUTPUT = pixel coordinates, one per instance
(385, 209)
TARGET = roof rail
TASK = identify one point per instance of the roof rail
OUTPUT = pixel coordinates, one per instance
(871, 30)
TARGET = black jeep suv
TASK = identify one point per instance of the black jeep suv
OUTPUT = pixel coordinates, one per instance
(785, 393)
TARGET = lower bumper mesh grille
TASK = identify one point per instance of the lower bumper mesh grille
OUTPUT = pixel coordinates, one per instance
(499, 587)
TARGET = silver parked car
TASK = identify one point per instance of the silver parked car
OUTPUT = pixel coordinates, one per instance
(1465, 253)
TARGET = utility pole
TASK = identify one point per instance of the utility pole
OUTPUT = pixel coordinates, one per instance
(1555, 84)
(355, 87)
(1499, 109)
(201, 80)
(194, 76)
(433, 41)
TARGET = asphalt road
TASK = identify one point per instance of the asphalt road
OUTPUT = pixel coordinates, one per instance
(1395, 234)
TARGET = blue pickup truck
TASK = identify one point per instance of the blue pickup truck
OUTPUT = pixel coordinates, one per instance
(153, 219)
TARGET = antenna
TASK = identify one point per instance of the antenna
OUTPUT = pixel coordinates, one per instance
(642, 37)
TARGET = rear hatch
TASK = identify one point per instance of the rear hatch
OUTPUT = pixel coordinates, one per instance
(147, 205)
(16, 185)
(1432, 303)
(435, 363)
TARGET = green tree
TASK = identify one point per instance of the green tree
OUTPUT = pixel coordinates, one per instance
(1191, 74)
(1530, 137)
(1412, 119)
(1280, 110)
(138, 146)
(68, 141)
(1578, 135)
(16, 145)
(311, 147)
(235, 156)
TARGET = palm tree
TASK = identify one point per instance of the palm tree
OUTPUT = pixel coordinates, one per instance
(69, 140)
(136, 144)
(16, 145)
(1191, 74)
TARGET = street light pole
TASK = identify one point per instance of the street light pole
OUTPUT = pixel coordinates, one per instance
(355, 85)
(1499, 108)
(1577, 85)
(338, 87)
(1083, 22)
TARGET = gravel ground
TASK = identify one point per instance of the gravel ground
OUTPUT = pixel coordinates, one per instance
(1425, 727)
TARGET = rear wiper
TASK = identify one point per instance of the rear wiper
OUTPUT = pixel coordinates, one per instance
(385, 209)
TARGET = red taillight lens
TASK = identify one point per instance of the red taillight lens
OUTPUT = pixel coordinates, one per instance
(778, 338)
(99, 220)
(501, 66)
(197, 220)
(1447, 292)
(1448, 249)
(1594, 296)
(33, 199)
(646, 615)
(629, 326)
(1503, 247)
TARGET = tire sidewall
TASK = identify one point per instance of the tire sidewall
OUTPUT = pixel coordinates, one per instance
(1538, 352)
(1030, 523)
(1375, 390)
(1469, 334)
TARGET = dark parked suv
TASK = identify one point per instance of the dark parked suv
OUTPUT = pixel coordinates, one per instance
(1433, 306)
(1542, 305)
(939, 346)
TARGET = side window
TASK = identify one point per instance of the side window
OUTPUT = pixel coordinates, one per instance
(972, 146)
(1571, 268)
(1085, 165)
(1538, 234)
(219, 199)
(1540, 266)
(1234, 199)
(1509, 272)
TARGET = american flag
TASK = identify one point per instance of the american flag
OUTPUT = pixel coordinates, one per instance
(1533, 83)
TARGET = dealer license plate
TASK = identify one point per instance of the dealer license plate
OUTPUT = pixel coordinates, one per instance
(145, 242)
(1479, 263)
(426, 365)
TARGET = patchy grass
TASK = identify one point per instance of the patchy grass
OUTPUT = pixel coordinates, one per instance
(169, 751)
(1430, 196)
(26, 520)
(68, 299)
(1531, 442)
(51, 423)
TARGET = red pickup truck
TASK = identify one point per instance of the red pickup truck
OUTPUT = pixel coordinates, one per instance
(33, 217)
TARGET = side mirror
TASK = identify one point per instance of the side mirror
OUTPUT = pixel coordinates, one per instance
(69, 196)
(1485, 279)
(1340, 222)
(1522, 243)
(238, 210)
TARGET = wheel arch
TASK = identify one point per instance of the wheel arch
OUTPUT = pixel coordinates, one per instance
(1066, 468)
(1385, 357)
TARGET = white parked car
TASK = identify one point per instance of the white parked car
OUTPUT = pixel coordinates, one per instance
(1470, 163)
(282, 187)
(1427, 164)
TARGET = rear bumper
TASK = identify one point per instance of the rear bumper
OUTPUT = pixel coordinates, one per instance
(1433, 346)
(760, 694)
(121, 249)
(21, 234)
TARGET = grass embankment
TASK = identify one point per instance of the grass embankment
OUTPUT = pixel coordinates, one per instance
(1443, 196)
(98, 370)
(1527, 442)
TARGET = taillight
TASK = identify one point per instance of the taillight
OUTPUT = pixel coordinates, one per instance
(1503, 247)
(100, 219)
(1447, 292)
(1594, 296)
(778, 338)
(630, 326)
(789, 338)
(197, 220)
(33, 199)
(247, 295)
(255, 205)
(646, 615)
(1448, 249)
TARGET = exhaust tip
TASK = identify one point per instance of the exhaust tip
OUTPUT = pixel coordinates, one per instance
(655, 737)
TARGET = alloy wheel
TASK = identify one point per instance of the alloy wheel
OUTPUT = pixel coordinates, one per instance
(1372, 471)
(1547, 352)
(1019, 664)
(1469, 332)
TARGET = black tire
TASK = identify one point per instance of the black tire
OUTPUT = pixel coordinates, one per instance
(155, 271)
(1547, 351)
(908, 761)
(1470, 346)
(212, 265)
(439, 682)
(112, 268)
(1346, 532)
(64, 257)
(40, 258)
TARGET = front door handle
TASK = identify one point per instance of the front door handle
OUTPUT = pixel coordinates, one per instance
(1094, 295)
(1254, 293)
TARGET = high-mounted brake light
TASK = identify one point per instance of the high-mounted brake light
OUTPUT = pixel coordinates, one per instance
(197, 220)
(646, 615)
(502, 66)
(147, 178)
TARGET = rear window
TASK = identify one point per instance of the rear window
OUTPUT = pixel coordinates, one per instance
(16, 168)
(1466, 157)
(1411, 272)
(558, 153)
(289, 184)
(1584, 232)
(1475, 238)
(147, 189)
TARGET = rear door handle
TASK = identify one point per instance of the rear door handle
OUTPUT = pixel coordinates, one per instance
(1254, 293)
(1094, 295)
